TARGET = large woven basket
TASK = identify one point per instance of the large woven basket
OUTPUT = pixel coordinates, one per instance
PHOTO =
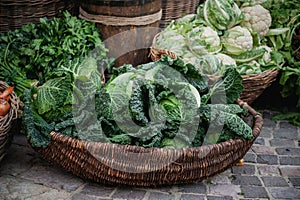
(175, 9)
(254, 84)
(15, 13)
(116, 164)
(7, 122)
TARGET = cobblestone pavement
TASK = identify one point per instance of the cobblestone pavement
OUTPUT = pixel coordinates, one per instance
(271, 171)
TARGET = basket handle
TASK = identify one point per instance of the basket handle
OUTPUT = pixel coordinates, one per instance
(258, 124)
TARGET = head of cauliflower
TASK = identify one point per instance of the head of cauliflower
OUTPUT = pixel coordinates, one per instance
(237, 40)
(257, 18)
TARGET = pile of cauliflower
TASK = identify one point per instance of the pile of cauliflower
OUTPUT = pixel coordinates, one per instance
(223, 33)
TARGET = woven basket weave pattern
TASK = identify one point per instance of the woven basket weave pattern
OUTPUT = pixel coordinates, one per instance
(174, 9)
(115, 164)
(6, 122)
(14, 14)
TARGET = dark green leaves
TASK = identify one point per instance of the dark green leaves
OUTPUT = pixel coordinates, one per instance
(54, 94)
(158, 105)
(224, 122)
(35, 127)
(226, 89)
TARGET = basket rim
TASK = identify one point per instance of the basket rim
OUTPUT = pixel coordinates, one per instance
(116, 164)
(254, 84)
(156, 51)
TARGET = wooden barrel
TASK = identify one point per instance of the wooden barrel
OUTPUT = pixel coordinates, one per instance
(127, 27)
(16, 13)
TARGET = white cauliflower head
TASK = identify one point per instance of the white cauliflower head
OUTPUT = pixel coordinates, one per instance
(210, 36)
(237, 40)
(257, 18)
(202, 40)
(225, 59)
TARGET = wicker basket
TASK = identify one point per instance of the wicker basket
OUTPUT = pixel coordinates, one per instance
(116, 164)
(174, 9)
(7, 121)
(254, 84)
(15, 13)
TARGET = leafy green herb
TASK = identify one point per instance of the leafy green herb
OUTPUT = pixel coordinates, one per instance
(286, 16)
(30, 54)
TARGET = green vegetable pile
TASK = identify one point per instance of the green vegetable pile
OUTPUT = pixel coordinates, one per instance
(57, 68)
(29, 55)
(60, 61)
(166, 104)
(232, 32)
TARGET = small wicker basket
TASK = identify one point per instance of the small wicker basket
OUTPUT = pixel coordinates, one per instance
(7, 122)
(16, 13)
(254, 84)
(115, 164)
(174, 9)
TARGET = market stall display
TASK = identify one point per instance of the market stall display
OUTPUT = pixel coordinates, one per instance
(180, 118)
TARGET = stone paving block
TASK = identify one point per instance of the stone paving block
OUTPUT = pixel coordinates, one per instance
(197, 188)
(166, 188)
(97, 190)
(284, 193)
(260, 141)
(254, 192)
(267, 159)
(16, 188)
(219, 198)
(288, 151)
(192, 197)
(286, 133)
(286, 124)
(223, 178)
(261, 149)
(274, 181)
(246, 169)
(250, 157)
(50, 195)
(295, 181)
(79, 196)
(224, 190)
(161, 196)
(48, 175)
(289, 160)
(269, 123)
(129, 194)
(278, 142)
(246, 180)
(290, 171)
(266, 132)
(254, 199)
(268, 170)
(25, 160)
